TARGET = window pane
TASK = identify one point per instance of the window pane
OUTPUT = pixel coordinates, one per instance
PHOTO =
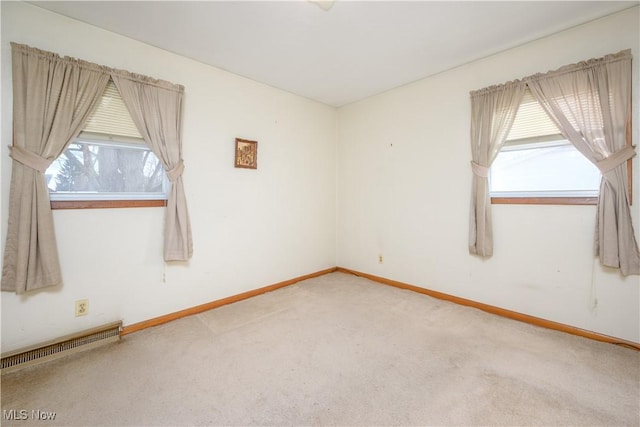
(88, 170)
(556, 170)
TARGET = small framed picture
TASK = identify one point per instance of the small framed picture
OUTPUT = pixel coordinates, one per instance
(246, 154)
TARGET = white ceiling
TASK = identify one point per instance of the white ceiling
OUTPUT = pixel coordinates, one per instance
(354, 50)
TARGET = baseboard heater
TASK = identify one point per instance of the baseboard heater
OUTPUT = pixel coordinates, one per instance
(61, 347)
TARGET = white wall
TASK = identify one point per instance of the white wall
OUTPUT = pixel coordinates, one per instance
(408, 202)
(251, 228)
(404, 182)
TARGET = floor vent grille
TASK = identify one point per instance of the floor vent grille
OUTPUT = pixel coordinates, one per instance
(61, 347)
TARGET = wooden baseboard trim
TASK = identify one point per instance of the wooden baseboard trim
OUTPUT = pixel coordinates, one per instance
(218, 303)
(537, 321)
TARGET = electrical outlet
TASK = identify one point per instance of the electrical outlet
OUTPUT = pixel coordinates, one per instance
(82, 307)
(379, 259)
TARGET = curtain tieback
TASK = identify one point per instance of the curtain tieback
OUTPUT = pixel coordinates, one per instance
(616, 159)
(29, 159)
(479, 170)
(175, 173)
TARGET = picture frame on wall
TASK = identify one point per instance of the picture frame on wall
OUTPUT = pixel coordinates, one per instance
(246, 154)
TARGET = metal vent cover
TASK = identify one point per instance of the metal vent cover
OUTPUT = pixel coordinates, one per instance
(63, 346)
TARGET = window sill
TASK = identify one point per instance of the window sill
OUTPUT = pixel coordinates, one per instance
(544, 200)
(106, 204)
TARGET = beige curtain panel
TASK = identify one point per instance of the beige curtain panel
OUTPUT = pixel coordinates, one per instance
(493, 111)
(52, 99)
(156, 110)
(590, 103)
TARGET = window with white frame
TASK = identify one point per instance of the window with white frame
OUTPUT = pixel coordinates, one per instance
(109, 160)
(538, 162)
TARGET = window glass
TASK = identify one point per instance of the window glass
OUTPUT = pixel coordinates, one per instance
(93, 170)
(551, 169)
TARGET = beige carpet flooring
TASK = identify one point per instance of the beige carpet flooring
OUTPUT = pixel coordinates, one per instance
(336, 350)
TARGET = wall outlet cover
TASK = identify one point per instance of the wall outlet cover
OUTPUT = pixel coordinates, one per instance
(82, 307)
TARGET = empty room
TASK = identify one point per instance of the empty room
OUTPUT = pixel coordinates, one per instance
(320, 213)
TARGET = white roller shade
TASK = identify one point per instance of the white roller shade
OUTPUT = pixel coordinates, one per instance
(111, 117)
(532, 124)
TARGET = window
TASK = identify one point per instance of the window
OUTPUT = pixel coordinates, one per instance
(98, 170)
(109, 164)
(537, 165)
(551, 169)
